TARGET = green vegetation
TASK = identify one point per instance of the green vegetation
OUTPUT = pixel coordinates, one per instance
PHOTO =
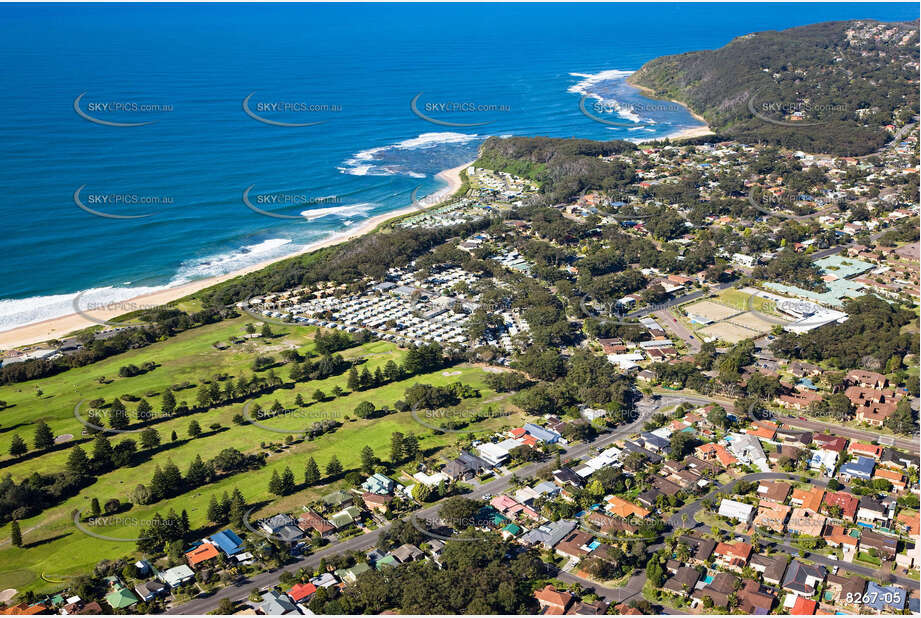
(819, 83)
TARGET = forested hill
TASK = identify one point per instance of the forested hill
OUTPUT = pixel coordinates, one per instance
(829, 87)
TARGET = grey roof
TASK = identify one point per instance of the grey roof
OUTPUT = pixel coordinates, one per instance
(797, 573)
(549, 534)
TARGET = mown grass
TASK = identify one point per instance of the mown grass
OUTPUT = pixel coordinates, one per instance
(52, 544)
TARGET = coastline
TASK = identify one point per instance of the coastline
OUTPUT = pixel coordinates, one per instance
(688, 133)
(56, 328)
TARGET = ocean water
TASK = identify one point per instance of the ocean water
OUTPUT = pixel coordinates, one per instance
(346, 74)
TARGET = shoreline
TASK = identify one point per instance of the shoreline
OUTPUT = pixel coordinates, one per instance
(61, 326)
(688, 133)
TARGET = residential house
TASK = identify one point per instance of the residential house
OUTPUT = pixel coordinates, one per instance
(407, 553)
(338, 499)
(806, 523)
(120, 597)
(310, 520)
(549, 534)
(871, 513)
(202, 553)
(803, 579)
(149, 590)
(465, 467)
(300, 593)
(830, 442)
(274, 603)
(885, 599)
(701, 549)
(682, 582)
(282, 527)
(177, 576)
(860, 468)
(379, 484)
(574, 545)
(624, 509)
(718, 590)
(809, 499)
(840, 505)
(733, 556)
(551, 601)
(377, 502)
(772, 516)
(228, 542)
(845, 589)
(718, 452)
(771, 568)
(865, 450)
(739, 511)
(885, 546)
(774, 491)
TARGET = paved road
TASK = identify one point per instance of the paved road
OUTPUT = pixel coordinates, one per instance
(646, 409)
(633, 588)
(670, 323)
(781, 543)
(908, 444)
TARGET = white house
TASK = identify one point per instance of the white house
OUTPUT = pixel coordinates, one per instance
(738, 511)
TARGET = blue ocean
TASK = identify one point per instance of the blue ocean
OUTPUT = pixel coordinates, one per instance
(129, 133)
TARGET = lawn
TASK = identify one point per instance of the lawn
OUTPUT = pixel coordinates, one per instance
(746, 302)
(56, 548)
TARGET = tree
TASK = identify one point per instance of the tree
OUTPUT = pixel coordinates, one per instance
(168, 403)
(352, 382)
(364, 409)
(266, 331)
(396, 447)
(903, 419)
(367, 460)
(194, 429)
(216, 513)
(15, 534)
(77, 462)
(103, 454)
(311, 473)
(288, 484)
(334, 468)
(18, 446)
(144, 409)
(410, 446)
(237, 510)
(44, 438)
(275, 484)
(681, 444)
(198, 473)
(118, 415)
(150, 438)
(94, 507)
(319, 395)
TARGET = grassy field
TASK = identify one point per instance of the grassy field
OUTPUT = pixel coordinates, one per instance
(53, 545)
(745, 302)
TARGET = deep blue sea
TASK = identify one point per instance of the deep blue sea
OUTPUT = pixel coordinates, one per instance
(346, 73)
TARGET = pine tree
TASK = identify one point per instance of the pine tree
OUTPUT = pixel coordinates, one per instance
(173, 437)
(288, 484)
(197, 474)
(77, 462)
(367, 460)
(158, 487)
(44, 438)
(266, 331)
(103, 455)
(237, 510)
(299, 401)
(94, 507)
(144, 410)
(378, 377)
(173, 478)
(150, 438)
(18, 446)
(118, 415)
(410, 446)
(352, 383)
(15, 534)
(168, 403)
(215, 512)
(185, 526)
(275, 484)
(194, 429)
(311, 473)
(365, 380)
(396, 447)
(333, 468)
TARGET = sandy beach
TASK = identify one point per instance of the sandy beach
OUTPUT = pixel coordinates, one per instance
(59, 327)
(688, 133)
